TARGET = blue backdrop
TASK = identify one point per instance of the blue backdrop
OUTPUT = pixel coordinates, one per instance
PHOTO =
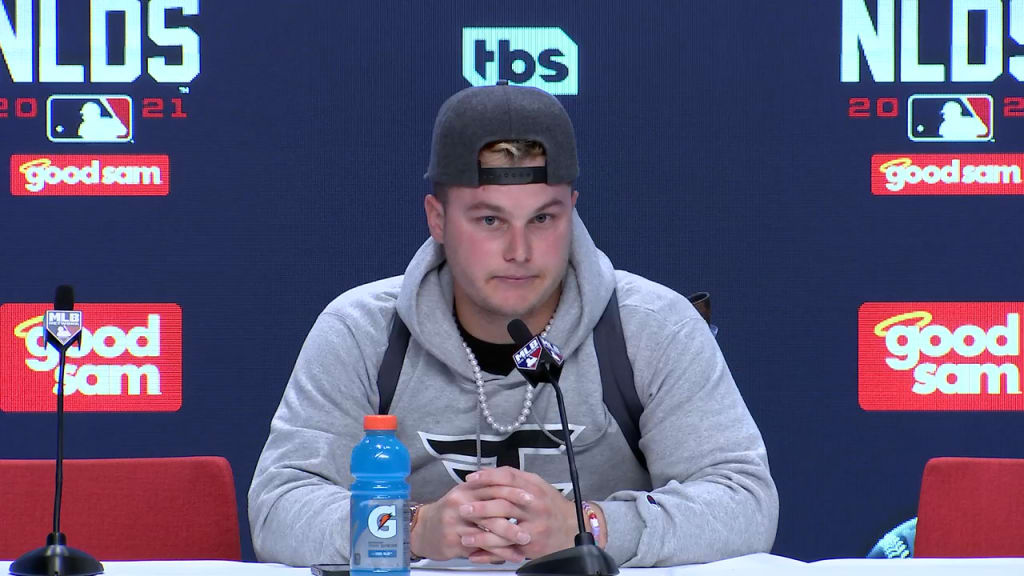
(717, 153)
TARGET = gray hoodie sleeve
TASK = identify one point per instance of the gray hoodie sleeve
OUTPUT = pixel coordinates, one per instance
(298, 506)
(714, 497)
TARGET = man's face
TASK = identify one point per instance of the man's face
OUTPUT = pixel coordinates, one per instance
(507, 246)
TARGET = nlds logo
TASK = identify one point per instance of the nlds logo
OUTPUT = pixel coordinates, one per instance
(545, 58)
(176, 59)
(129, 359)
(876, 39)
(938, 42)
(940, 356)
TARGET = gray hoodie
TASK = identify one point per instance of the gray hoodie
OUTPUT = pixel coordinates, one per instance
(707, 494)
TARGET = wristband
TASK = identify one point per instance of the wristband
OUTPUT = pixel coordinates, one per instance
(592, 519)
(414, 517)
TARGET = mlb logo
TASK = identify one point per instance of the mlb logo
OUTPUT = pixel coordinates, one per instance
(528, 356)
(553, 350)
(63, 325)
(950, 118)
(89, 118)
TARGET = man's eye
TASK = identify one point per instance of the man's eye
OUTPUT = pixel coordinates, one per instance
(489, 220)
(542, 218)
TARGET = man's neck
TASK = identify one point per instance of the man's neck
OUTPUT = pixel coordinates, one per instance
(494, 328)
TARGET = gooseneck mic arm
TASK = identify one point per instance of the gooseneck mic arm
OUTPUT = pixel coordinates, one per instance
(62, 327)
(584, 534)
(538, 360)
(64, 300)
(521, 335)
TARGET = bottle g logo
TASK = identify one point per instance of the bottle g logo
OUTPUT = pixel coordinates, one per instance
(383, 522)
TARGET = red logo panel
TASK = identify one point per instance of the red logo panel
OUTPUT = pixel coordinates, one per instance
(129, 360)
(939, 356)
(946, 174)
(90, 175)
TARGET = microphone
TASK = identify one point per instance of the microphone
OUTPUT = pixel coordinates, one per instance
(62, 328)
(538, 360)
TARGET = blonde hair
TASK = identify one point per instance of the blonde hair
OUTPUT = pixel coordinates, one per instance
(498, 155)
(510, 152)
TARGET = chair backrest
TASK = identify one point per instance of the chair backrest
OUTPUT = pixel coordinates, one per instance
(970, 508)
(123, 509)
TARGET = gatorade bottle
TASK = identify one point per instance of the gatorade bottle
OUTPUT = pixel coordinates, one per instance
(379, 504)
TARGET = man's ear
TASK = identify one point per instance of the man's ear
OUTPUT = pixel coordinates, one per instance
(575, 195)
(435, 217)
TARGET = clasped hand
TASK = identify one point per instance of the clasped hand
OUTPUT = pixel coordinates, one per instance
(497, 515)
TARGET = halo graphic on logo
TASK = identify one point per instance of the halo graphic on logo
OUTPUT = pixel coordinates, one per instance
(949, 118)
(85, 118)
(382, 522)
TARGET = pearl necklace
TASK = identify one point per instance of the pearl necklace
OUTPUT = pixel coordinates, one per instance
(482, 397)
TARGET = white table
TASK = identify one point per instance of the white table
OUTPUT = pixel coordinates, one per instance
(753, 565)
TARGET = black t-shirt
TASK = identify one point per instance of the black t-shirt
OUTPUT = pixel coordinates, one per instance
(493, 358)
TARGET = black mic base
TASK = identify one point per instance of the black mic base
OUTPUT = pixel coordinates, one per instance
(56, 559)
(584, 559)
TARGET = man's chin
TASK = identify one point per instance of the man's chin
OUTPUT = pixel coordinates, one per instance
(508, 310)
(507, 313)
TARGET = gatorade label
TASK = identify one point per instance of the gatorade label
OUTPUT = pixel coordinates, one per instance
(381, 539)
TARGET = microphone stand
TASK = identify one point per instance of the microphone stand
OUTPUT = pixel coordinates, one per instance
(586, 558)
(57, 558)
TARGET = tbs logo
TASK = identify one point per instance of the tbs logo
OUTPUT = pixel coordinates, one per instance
(950, 118)
(544, 58)
(89, 118)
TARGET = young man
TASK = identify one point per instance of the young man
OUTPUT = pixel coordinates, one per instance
(507, 243)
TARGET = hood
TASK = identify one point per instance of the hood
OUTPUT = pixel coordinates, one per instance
(425, 302)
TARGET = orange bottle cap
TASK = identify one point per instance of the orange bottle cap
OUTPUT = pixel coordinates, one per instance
(380, 422)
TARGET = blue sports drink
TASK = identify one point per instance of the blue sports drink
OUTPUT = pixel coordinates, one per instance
(379, 504)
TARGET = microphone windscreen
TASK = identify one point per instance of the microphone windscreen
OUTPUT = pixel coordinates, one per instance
(65, 298)
(519, 332)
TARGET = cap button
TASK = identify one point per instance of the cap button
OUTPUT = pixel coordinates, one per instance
(503, 82)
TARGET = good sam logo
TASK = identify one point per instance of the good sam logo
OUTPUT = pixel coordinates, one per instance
(129, 360)
(934, 174)
(89, 175)
(939, 356)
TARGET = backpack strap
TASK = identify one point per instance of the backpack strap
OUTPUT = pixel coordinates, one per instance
(391, 365)
(617, 376)
(702, 302)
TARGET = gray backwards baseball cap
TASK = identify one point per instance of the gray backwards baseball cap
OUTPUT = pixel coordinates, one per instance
(476, 116)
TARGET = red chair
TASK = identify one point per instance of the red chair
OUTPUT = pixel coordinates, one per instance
(971, 508)
(124, 509)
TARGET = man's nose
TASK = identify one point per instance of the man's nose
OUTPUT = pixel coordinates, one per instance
(517, 247)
